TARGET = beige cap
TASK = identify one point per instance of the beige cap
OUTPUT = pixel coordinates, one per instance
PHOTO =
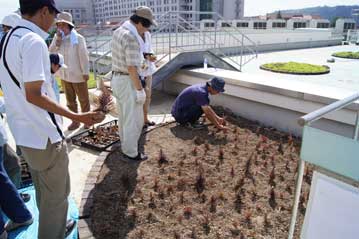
(65, 17)
(146, 12)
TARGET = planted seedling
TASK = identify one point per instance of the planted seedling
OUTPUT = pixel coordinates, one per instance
(248, 218)
(238, 203)
(280, 148)
(152, 203)
(272, 199)
(200, 183)
(176, 235)
(267, 223)
(105, 103)
(155, 184)
(193, 234)
(213, 204)
(272, 178)
(232, 171)
(181, 184)
(187, 212)
(289, 189)
(235, 230)
(195, 151)
(239, 184)
(287, 168)
(221, 154)
(206, 224)
(162, 158)
(181, 199)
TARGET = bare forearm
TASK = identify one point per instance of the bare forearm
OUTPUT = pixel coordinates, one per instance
(132, 71)
(47, 104)
(211, 116)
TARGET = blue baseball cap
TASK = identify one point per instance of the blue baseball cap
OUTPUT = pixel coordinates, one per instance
(39, 3)
(217, 83)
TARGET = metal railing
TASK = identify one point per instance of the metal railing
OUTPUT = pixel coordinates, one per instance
(183, 31)
(307, 120)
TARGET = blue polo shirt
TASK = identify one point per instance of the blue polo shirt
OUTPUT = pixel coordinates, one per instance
(195, 95)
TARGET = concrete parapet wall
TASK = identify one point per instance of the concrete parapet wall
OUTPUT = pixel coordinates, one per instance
(270, 106)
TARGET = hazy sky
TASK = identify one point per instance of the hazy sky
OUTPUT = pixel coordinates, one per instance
(251, 6)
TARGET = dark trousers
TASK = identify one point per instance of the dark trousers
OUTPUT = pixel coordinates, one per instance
(189, 115)
(10, 201)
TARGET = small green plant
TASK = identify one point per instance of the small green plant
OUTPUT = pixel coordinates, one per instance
(295, 68)
(347, 54)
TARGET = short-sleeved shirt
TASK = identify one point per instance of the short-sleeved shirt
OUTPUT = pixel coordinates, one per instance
(192, 95)
(125, 50)
(28, 59)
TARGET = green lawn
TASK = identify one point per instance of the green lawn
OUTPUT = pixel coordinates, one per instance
(347, 54)
(295, 68)
(91, 84)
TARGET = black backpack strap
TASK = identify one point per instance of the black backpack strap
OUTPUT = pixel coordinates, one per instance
(2, 43)
(53, 119)
(5, 43)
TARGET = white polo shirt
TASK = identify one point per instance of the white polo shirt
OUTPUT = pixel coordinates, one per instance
(27, 56)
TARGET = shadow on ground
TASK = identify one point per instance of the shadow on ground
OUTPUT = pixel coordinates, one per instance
(113, 191)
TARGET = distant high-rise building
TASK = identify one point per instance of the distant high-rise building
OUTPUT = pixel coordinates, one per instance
(82, 10)
(102, 11)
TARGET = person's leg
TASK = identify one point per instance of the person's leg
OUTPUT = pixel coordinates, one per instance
(131, 114)
(70, 101)
(82, 93)
(146, 106)
(52, 184)
(116, 90)
(189, 115)
(12, 165)
(70, 95)
(10, 200)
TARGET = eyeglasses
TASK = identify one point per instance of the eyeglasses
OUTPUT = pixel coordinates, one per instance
(146, 23)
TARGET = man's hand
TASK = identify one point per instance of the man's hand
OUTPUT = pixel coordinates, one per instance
(222, 127)
(90, 118)
(222, 121)
(86, 77)
(152, 58)
(140, 96)
(58, 37)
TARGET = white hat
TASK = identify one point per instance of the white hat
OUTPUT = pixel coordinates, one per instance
(65, 17)
(58, 59)
(62, 61)
(11, 20)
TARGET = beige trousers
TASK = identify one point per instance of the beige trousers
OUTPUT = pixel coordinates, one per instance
(76, 89)
(50, 174)
(130, 114)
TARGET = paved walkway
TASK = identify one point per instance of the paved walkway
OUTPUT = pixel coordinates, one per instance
(82, 159)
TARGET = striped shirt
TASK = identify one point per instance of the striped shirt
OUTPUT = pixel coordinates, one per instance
(125, 50)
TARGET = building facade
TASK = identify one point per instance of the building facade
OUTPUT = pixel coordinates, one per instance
(81, 10)
(115, 10)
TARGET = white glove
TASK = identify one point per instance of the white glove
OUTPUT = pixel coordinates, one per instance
(140, 96)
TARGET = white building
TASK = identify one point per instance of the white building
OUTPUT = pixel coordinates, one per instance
(81, 10)
(114, 10)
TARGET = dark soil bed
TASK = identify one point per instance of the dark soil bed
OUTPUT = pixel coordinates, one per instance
(202, 184)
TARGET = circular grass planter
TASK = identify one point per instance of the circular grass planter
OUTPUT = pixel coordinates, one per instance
(347, 55)
(295, 68)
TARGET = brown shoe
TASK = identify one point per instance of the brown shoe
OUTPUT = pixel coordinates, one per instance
(73, 126)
